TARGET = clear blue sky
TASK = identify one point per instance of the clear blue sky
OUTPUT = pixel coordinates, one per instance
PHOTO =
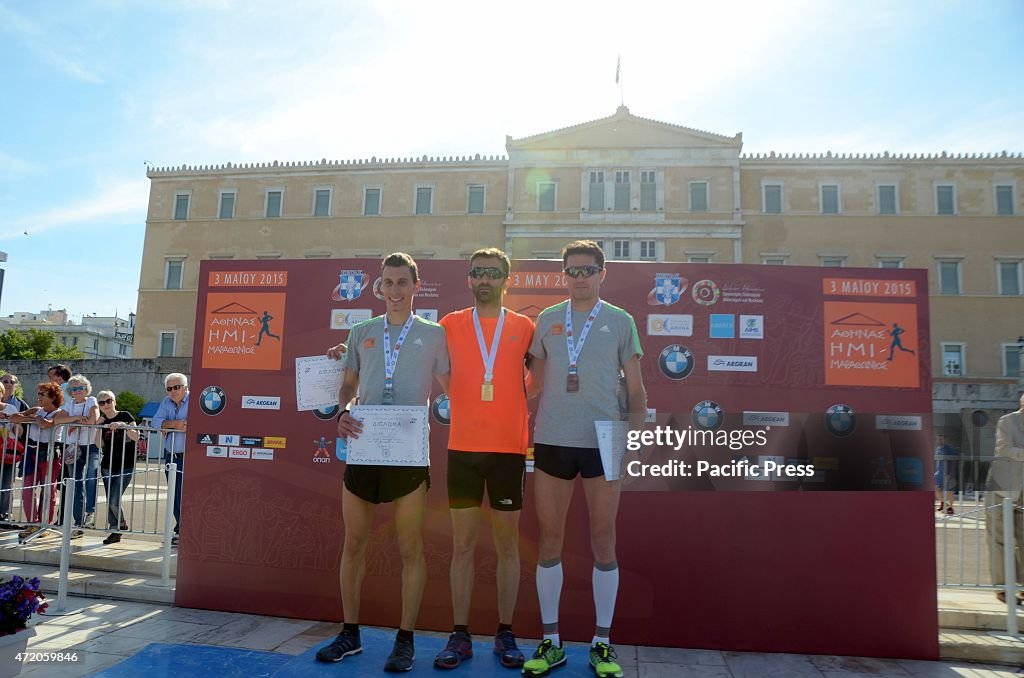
(95, 88)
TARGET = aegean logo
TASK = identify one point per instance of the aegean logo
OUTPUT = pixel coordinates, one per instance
(732, 363)
(766, 418)
(258, 402)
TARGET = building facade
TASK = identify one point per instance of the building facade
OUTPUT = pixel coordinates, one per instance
(647, 190)
(94, 336)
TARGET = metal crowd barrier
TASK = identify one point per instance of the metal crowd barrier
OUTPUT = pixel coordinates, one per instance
(978, 497)
(53, 484)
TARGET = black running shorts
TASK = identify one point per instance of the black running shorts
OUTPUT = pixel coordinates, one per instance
(565, 462)
(503, 474)
(383, 484)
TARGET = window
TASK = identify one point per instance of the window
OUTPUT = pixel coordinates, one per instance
(424, 199)
(166, 347)
(698, 196)
(1009, 278)
(95, 344)
(952, 360)
(890, 262)
(833, 262)
(595, 200)
(773, 261)
(74, 341)
(829, 196)
(274, 200)
(64, 340)
(887, 199)
(546, 196)
(1004, 200)
(621, 249)
(371, 202)
(227, 205)
(949, 277)
(122, 349)
(1011, 359)
(648, 249)
(945, 199)
(476, 200)
(173, 274)
(181, 206)
(622, 191)
(772, 198)
(648, 191)
(322, 202)
(699, 259)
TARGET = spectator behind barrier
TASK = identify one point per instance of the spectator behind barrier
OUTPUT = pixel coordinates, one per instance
(119, 440)
(170, 418)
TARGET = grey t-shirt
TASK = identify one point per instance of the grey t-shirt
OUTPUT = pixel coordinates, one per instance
(565, 418)
(424, 354)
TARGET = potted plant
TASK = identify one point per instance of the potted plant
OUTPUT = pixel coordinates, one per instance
(19, 600)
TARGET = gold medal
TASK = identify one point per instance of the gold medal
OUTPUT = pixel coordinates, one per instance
(487, 392)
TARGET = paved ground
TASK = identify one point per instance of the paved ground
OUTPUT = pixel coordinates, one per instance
(104, 632)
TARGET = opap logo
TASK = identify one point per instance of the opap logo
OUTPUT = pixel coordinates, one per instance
(662, 325)
(261, 402)
(216, 451)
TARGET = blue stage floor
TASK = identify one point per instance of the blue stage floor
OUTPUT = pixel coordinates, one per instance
(159, 660)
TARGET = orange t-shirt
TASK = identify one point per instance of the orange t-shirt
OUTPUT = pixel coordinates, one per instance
(499, 425)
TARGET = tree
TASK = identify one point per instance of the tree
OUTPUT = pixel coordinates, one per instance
(130, 402)
(35, 344)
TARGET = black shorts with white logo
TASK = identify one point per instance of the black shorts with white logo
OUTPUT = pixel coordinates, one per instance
(566, 462)
(383, 484)
(503, 473)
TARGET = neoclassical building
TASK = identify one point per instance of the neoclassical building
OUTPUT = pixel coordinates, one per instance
(647, 190)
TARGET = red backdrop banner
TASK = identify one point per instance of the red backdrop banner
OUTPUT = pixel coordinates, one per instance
(835, 369)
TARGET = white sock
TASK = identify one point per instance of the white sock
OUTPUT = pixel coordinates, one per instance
(549, 594)
(606, 588)
(598, 639)
(555, 639)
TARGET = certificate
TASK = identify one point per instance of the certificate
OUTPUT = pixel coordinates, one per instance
(393, 435)
(317, 380)
(611, 442)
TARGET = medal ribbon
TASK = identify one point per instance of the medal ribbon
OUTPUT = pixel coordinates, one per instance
(576, 349)
(488, 354)
(391, 359)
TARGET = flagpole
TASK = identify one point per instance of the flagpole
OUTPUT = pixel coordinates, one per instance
(618, 80)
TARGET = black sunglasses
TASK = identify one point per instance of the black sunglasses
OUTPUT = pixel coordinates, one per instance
(105, 402)
(489, 272)
(176, 387)
(581, 271)
(9, 382)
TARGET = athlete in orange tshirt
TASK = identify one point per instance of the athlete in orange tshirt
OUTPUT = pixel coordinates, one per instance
(488, 345)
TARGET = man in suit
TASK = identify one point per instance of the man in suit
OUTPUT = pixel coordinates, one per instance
(1005, 480)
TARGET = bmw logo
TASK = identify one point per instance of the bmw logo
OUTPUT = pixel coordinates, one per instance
(441, 408)
(707, 415)
(676, 361)
(212, 400)
(705, 292)
(840, 420)
(326, 413)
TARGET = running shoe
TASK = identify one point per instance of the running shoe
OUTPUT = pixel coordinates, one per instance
(602, 660)
(544, 659)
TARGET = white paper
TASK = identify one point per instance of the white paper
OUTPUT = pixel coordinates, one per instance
(393, 435)
(317, 380)
(611, 441)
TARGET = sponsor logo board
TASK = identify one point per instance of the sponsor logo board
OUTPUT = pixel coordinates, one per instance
(752, 418)
(259, 402)
(216, 451)
(732, 363)
(346, 319)
(665, 325)
(262, 453)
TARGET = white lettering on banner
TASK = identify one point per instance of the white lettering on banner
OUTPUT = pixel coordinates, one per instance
(732, 363)
(897, 422)
(766, 418)
(261, 402)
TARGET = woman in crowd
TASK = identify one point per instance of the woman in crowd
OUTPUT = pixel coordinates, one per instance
(119, 438)
(81, 453)
(10, 447)
(42, 455)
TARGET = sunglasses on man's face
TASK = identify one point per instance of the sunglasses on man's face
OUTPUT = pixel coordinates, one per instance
(176, 387)
(581, 271)
(105, 402)
(489, 272)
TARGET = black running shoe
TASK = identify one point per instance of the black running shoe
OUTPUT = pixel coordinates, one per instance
(401, 657)
(347, 643)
